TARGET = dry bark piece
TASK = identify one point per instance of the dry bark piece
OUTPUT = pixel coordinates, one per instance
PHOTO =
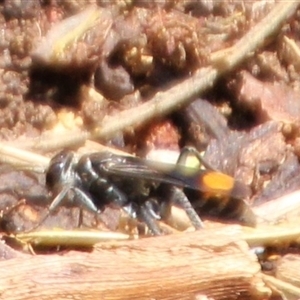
(7, 252)
(17, 9)
(271, 101)
(288, 269)
(162, 135)
(215, 263)
(93, 106)
(204, 122)
(113, 82)
(239, 153)
(256, 150)
(16, 185)
(65, 44)
(286, 180)
(271, 67)
(282, 289)
(286, 207)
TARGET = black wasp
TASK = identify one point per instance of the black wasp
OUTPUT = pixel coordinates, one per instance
(141, 187)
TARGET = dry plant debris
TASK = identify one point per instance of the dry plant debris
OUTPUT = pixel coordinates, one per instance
(125, 75)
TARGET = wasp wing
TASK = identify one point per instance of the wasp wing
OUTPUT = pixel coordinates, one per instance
(134, 167)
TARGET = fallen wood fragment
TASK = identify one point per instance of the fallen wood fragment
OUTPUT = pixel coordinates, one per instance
(284, 207)
(216, 263)
(285, 289)
(288, 270)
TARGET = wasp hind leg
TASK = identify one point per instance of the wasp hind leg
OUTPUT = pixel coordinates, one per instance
(178, 197)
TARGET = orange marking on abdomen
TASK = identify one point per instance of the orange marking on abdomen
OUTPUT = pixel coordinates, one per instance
(217, 182)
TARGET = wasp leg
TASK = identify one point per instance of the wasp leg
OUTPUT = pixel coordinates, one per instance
(131, 209)
(79, 197)
(148, 215)
(186, 151)
(154, 208)
(85, 200)
(55, 203)
(178, 197)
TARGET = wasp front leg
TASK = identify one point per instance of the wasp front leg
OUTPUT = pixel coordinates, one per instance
(149, 212)
(72, 196)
